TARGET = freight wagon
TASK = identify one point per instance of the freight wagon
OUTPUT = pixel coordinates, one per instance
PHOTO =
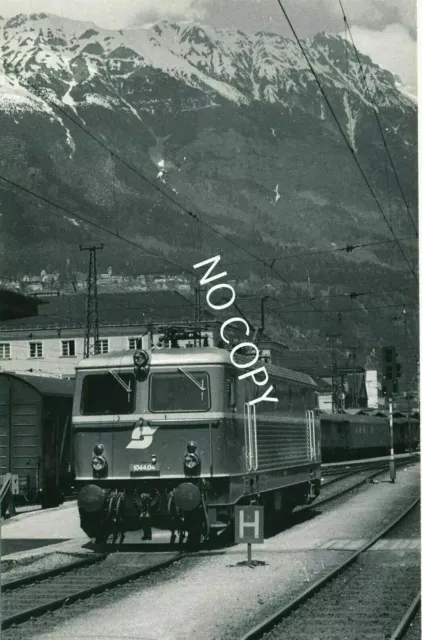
(36, 436)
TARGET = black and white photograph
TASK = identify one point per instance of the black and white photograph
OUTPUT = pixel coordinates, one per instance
(209, 320)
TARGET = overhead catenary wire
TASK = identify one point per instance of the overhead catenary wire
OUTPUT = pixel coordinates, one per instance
(92, 223)
(344, 136)
(194, 216)
(171, 198)
(348, 248)
(352, 295)
(139, 173)
(378, 120)
(347, 310)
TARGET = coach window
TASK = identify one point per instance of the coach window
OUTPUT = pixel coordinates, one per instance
(290, 399)
(185, 390)
(108, 394)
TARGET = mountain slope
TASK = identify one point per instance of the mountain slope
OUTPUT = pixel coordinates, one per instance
(232, 124)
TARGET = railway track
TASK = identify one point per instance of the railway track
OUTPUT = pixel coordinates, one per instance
(410, 624)
(374, 472)
(367, 596)
(348, 467)
(32, 596)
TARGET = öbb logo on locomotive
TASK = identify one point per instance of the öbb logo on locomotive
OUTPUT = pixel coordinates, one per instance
(142, 436)
(225, 428)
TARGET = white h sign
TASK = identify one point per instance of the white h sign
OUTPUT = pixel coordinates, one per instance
(249, 524)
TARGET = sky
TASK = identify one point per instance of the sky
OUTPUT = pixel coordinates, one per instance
(383, 29)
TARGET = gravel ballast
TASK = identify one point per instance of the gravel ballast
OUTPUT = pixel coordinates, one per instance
(210, 598)
(367, 600)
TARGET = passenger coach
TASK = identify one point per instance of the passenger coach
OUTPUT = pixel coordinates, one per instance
(168, 439)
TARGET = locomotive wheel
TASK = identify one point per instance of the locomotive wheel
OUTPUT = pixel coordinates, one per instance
(99, 540)
(194, 529)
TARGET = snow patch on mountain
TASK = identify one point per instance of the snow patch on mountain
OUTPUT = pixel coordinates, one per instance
(351, 122)
(100, 101)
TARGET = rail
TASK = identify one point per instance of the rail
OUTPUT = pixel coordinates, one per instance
(269, 623)
(32, 596)
(405, 622)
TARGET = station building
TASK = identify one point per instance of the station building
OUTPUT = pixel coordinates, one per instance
(52, 343)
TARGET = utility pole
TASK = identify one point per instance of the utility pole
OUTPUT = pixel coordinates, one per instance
(91, 324)
(355, 390)
(336, 391)
(408, 398)
(263, 314)
(197, 315)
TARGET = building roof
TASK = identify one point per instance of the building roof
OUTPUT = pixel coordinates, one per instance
(322, 385)
(46, 386)
(15, 305)
(266, 339)
(130, 309)
(185, 357)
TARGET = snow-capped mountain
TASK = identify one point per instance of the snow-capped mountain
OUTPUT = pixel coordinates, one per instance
(231, 123)
(221, 63)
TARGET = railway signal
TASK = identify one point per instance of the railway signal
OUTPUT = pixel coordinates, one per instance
(391, 370)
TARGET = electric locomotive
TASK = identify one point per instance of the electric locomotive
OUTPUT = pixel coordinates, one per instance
(168, 439)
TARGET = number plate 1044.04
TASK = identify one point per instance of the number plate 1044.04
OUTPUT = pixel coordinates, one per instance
(144, 469)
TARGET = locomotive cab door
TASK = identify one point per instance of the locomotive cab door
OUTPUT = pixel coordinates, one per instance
(251, 439)
(311, 435)
(250, 431)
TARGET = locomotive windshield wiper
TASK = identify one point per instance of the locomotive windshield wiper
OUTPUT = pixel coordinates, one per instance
(126, 387)
(192, 379)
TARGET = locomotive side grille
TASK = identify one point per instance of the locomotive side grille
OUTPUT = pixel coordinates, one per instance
(281, 444)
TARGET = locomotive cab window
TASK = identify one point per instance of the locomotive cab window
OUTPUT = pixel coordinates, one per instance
(104, 393)
(184, 390)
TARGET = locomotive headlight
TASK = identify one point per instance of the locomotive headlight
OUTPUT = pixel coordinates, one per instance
(140, 358)
(191, 460)
(98, 449)
(153, 459)
(98, 463)
(191, 447)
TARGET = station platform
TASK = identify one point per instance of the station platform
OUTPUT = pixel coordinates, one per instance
(34, 529)
(356, 463)
(29, 533)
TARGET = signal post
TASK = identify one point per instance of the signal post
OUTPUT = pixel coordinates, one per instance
(249, 528)
(392, 459)
(391, 372)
